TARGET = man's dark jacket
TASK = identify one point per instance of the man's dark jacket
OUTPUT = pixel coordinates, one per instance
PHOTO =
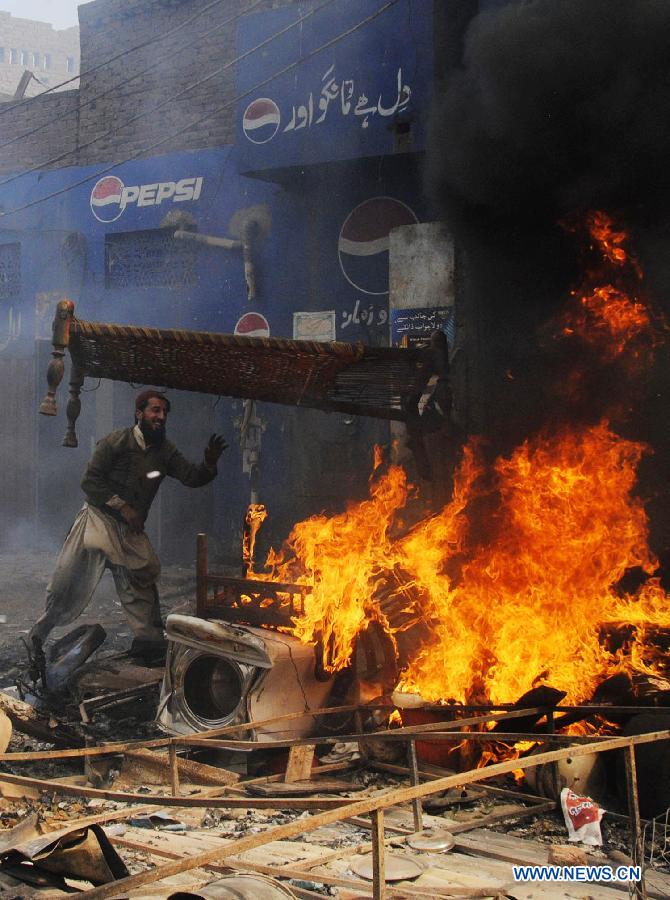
(120, 467)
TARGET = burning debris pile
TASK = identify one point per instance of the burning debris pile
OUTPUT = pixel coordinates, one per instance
(522, 579)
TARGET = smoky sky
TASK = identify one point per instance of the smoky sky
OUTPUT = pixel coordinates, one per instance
(557, 105)
(59, 13)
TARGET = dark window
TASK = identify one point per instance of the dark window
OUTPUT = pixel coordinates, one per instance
(149, 259)
(24, 57)
(70, 64)
(47, 60)
(36, 60)
(10, 271)
(14, 56)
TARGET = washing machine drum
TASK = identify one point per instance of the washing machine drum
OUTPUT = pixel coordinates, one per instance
(209, 689)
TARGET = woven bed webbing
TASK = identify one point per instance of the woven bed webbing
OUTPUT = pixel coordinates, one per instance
(353, 378)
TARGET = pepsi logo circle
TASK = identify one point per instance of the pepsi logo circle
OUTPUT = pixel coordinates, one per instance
(252, 324)
(363, 245)
(261, 120)
(106, 199)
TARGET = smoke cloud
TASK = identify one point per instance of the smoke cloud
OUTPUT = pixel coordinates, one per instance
(557, 105)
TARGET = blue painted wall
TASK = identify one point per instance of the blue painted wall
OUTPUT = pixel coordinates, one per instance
(355, 81)
(328, 194)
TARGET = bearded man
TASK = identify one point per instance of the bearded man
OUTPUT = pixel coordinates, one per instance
(120, 483)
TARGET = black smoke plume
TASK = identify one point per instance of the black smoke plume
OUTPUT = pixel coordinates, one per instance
(558, 104)
(555, 107)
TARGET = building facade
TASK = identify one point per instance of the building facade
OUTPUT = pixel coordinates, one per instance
(51, 55)
(307, 120)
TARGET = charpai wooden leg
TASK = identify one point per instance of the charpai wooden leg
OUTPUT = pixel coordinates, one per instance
(55, 372)
(56, 369)
(73, 407)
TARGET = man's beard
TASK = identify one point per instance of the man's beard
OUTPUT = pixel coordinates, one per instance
(153, 436)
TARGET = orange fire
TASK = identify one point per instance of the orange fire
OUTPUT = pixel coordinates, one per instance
(609, 319)
(526, 608)
(609, 316)
(531, 603)
(256, 515)
(609, 239)
(342, 557)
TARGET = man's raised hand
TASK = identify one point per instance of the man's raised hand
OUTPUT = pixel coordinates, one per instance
(214, 449)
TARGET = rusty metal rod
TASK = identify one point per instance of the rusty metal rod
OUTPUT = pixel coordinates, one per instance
(201, 576)
(205, 738)
(378, 855)
(417, 808)
(174, 770)
(194, 800)
(157, 743)
(637, 843)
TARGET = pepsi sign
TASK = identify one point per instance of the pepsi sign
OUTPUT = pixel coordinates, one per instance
(335, 91)
(252, 324)
(261, 120)
(110, 197)
(106, 199)
(363, 245)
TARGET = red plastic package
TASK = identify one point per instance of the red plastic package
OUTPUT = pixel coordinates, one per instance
(582, 818)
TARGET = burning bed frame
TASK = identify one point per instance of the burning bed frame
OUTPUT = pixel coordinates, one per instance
(381, 382)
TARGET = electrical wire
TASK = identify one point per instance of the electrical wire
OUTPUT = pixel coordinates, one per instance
(209, 115)
(118, 126)
(122, 53)
(77, 109)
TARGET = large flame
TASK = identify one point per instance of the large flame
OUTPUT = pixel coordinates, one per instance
(342, 557)
(530, 605)
(517, 581)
